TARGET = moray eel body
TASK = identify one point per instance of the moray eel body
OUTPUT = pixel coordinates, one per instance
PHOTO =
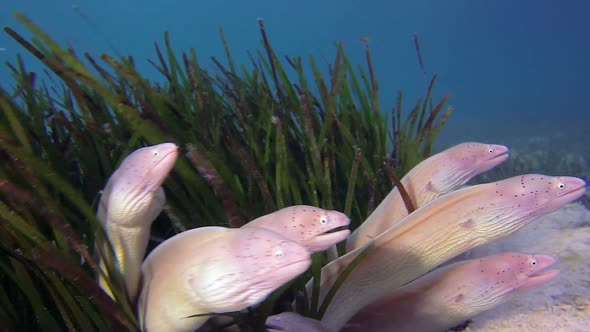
(453, 294)
(293, 322)
(440, 174)
(314, 228)
(214, 270)
(439, 231)
(130, 202)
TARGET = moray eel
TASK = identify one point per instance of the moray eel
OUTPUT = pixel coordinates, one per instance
(453, 294)
(214, 270)
(439, 231)
(314, 228)
(440, 174)
(293, 322)
(130, 202)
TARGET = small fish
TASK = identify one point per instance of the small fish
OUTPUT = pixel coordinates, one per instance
(130, 202)
(439, 231)
(438, 175)
(214, 270)
(314, 228)
(454, 294)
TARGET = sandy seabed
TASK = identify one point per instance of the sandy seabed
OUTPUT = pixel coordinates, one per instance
(562, 305)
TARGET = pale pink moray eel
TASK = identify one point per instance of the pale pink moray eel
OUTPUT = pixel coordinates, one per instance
(293, 322)
(214, 270)
(453, 294)
(433, 177)
(313, 227)
(440, 230)
(130, 202)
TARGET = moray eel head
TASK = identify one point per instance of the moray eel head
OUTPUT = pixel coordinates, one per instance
(134, 191)
(497, 278)
(244, 268)
(313, 227)
(323, 227)
(456, 165)
(538, 194)
(535, 277)
(479, 157)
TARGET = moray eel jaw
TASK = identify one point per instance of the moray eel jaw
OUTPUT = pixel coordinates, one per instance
(328, 239)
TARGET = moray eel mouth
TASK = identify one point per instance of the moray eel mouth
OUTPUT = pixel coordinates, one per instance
(501, 156)
(543, 275)
(336, 229)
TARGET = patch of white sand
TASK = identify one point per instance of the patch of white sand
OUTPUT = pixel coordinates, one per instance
(562, 305)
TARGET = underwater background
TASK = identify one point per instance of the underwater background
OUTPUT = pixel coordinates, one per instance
(517, 71)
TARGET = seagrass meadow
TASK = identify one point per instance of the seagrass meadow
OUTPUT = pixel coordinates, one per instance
(255, 138)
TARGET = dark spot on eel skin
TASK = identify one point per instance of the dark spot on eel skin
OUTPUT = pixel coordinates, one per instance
(458, 298)
(469, 223)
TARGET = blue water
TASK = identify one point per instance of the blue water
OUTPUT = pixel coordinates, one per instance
(514, 69)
